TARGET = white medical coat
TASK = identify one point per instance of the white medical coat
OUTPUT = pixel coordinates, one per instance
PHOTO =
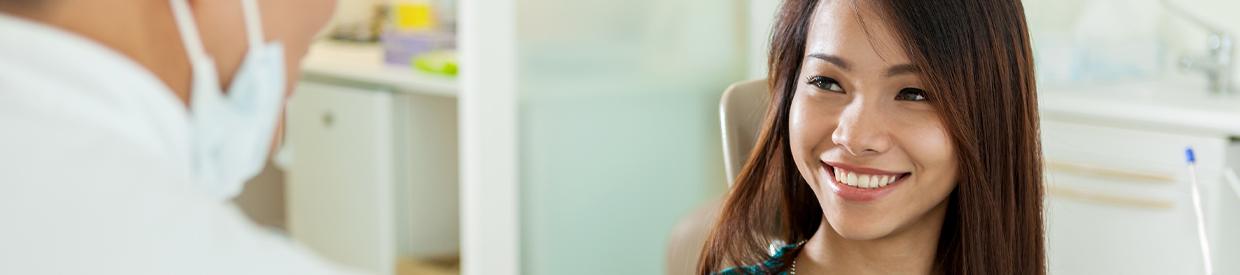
(95, 171)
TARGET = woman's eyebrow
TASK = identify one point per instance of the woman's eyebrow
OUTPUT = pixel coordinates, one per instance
(838, 61)
(844, 64)
(901, 69)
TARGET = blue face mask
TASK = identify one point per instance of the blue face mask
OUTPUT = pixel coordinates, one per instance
(231, 133)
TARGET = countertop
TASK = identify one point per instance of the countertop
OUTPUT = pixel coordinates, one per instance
(1171, 105)
(363, 63)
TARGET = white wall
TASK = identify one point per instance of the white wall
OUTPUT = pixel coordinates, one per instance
(1070, 25)
(1055, 23)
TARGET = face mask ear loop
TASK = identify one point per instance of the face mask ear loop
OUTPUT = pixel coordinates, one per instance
(189, 32)
(253, 23)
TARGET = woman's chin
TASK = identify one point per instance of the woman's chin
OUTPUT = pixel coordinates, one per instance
(860, 229)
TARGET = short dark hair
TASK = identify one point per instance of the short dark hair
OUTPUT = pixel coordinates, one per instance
(21, 4)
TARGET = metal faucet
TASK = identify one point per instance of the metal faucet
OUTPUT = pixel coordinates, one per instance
(1217, 64)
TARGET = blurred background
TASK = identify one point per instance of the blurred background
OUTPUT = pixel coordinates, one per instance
(583, 136)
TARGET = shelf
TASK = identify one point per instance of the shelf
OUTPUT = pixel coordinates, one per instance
(363, 63)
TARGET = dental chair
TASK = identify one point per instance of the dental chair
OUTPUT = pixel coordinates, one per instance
(741, 111)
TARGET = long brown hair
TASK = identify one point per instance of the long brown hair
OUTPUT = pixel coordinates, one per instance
(976, 61)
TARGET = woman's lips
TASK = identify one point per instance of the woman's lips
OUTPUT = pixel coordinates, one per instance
(860, 184)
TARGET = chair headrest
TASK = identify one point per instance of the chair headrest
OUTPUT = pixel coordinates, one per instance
(741, 112)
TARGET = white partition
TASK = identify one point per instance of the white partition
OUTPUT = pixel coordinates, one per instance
(488, 131)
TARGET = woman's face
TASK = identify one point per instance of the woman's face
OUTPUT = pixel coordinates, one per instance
(861, 130)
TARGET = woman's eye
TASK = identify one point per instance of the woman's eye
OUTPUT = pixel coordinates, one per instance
(911, 94)
(825, 83)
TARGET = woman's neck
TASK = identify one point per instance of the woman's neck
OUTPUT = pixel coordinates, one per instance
(910, 250)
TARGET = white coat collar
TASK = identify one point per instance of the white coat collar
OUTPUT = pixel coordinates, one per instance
(74, 79)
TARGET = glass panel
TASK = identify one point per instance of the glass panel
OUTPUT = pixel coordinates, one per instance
(619, 134)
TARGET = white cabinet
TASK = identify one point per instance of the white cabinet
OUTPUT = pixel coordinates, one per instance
(1118, 200)
(372, 175)
(340, 179)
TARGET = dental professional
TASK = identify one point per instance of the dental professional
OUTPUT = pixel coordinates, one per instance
(127, 125)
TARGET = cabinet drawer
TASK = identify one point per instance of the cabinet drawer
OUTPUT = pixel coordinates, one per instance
(1118, 200)
(1124, 167)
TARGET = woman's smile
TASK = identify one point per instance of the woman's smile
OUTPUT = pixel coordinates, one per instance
(856, 183)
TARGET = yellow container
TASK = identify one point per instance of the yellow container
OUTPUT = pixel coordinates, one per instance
(413, 16)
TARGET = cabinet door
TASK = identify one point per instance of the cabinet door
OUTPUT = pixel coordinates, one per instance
(1118, 200)
(426, 196)
(340, 176)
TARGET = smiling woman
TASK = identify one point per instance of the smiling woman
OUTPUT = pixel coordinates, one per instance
(901, 138)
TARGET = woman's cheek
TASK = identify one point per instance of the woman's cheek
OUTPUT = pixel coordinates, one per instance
(932, 149)
(797, 121)
(811, 123)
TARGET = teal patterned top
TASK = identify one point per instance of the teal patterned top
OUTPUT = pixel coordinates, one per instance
(776, 265)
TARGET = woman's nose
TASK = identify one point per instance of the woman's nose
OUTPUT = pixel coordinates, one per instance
(860, 130)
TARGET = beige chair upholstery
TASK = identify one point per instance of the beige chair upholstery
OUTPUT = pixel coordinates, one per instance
(741, 111)
(740, 116)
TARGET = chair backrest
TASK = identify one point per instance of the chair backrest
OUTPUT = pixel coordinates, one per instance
(741, 111)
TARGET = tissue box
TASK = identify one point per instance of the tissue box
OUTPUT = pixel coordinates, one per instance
(399, 47)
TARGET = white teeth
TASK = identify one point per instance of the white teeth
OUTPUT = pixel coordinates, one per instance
(862, 180)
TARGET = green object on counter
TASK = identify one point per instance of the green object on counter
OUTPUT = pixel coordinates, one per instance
(437, 62)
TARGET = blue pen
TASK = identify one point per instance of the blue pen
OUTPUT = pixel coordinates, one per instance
(1201, 224)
